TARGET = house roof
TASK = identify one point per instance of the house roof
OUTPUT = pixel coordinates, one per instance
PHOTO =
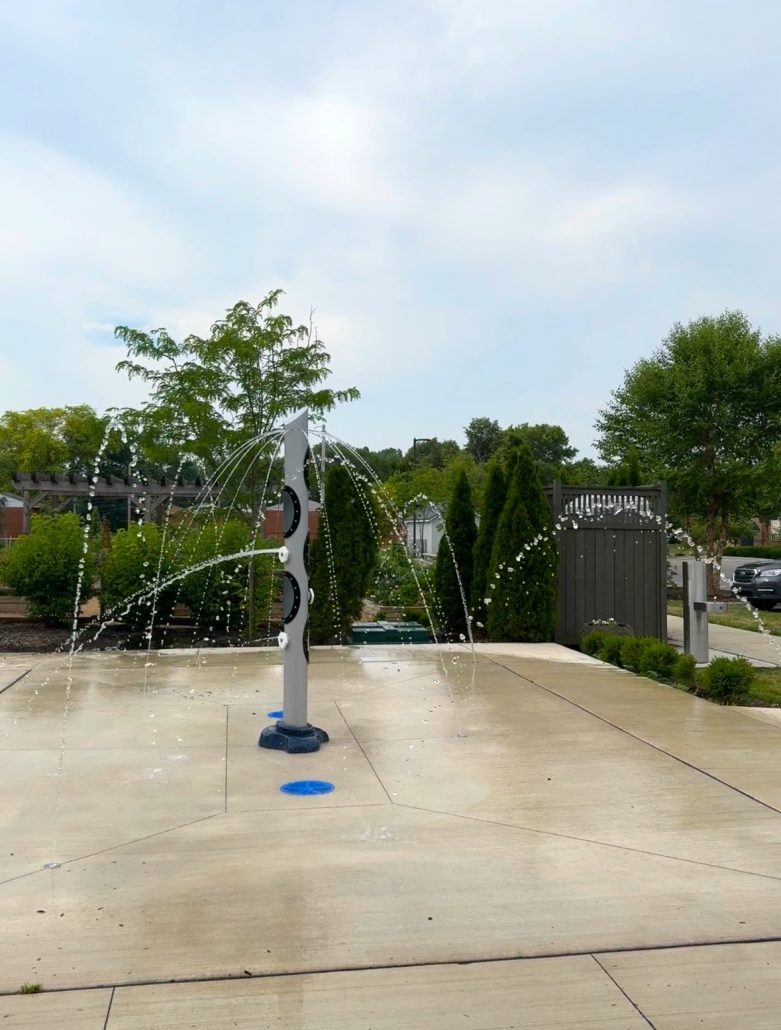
(11, 501)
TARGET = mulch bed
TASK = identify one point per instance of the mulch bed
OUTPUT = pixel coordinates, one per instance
(27, 635)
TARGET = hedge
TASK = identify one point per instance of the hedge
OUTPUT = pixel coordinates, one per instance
(753, 552)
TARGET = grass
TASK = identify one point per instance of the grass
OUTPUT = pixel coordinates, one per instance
(737, 616)
(766, 691)
(31, 988)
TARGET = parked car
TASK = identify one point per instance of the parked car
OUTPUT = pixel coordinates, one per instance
(766, 586)
(743, 576)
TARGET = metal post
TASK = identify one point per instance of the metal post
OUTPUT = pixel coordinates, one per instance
(293, 733)
(695, 613)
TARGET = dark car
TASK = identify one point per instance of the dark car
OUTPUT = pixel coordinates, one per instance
(766, 586)
(743, 576)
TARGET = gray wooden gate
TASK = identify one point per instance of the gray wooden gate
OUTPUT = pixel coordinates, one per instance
(612, 558)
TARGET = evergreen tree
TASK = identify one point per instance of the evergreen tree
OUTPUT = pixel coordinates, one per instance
(523, 598)
(341, 557)
(455, 559)
(495, 496)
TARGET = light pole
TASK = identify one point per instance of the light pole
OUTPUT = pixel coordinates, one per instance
(415, 441)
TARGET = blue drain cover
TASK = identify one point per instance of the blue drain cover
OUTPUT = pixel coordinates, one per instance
(275, 715)
(307, 787)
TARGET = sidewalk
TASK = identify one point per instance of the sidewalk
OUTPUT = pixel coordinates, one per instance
(724, 641)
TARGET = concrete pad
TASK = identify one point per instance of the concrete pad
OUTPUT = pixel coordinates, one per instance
(71, 1010)
(726, 987)
(544, 994)
(100, 799)
(715, 738)
(337, 888)
(445, 840)
(771, 715)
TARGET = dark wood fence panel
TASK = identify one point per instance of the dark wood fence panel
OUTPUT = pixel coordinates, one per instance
(612, 558)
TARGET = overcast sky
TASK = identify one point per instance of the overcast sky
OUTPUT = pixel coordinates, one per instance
(495, 207)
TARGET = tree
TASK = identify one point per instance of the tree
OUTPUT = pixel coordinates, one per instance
(253, 369)
(431, 453)
(628, 472)
(483, 436)
(549, 445)
(218, 392)
(384, 463)
(342, 557)
(43, 566)
(705, 414)
(522, 576)
(453, 568)
(60, 440)
(495, 497)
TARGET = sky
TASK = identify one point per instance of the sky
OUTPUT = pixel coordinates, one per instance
(493, 208)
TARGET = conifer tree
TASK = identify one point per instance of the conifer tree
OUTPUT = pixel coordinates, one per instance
(523, 597)
(455, 559)
(341, 557)
(495, 496)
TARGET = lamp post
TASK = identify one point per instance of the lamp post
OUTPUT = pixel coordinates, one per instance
(415, 441)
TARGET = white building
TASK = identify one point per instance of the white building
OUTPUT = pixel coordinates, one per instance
(424, 530)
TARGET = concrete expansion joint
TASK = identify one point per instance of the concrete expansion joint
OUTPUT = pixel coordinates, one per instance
(15, 681)
(588, 840)
(631, 1001)
(244, 975)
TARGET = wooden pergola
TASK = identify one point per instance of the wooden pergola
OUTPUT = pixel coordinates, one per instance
(60, 491)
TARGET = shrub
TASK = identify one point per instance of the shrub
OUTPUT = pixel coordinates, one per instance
(217, 595)
(610, 650)
(342, 557)
(525, 559)
(632, 650)
(754, 552)
(130, 569)
(453, 569)
(393, 580)
(494, 498)
(43, 566)
(657, 659)
(684, 669)
(592, 642)
(728, 679)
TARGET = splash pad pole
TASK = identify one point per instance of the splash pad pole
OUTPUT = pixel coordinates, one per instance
(293, 733)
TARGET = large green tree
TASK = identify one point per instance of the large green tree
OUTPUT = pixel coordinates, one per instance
(61, 440)
(219, 391)
(522, 576)
(483, 436)
(455, 556)
(215, 393)
(704, 413)
(495, 496)
(549, 445)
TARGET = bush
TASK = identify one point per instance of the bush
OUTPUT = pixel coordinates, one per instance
(217, 595)
(753, 552)
(632, 650)
(592, 642)
(525, 560)
(493, 503)
(684, 670)
(453, 568)
(610, 650)
(43, 566)
(393, 580)
(130, 569)
(727, 680)
(657, 659)
(342, 557)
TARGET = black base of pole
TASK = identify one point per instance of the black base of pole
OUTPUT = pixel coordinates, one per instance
(293, 740)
